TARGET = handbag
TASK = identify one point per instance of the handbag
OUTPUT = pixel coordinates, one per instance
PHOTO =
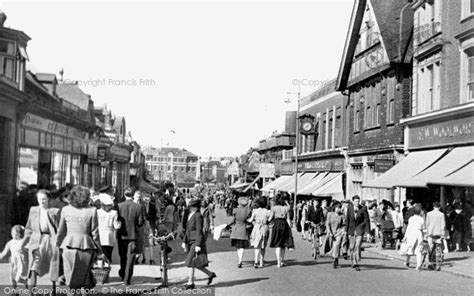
(200, 260)
(403, 248)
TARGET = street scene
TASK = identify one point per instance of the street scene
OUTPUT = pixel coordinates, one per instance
(237, 147)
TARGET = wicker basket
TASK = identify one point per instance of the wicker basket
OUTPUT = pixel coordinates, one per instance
(101, 274)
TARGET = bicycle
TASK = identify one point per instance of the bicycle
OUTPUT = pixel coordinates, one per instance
(314, 231)
(436, 254)
(163, 242)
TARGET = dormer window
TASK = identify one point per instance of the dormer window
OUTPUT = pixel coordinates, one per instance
(7, 59)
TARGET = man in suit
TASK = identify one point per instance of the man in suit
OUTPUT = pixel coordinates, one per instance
(435, 226)
(357, 224)
(131, 217)
(316, 217)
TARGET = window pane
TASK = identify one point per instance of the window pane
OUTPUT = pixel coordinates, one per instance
(28, 166)
(472, 6)
(7, 47)
(471, 68)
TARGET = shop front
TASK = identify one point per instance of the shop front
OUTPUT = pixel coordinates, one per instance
(51, 154)
(119, 167)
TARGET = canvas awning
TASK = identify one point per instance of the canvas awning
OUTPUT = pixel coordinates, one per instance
(456, 158)
(464, 176)
(331, 188)
(147, 187)
(270, 186)
(406, 169)
(288, 183)
(303, 181)
(238, 184)
(291, 185)
(317, 182)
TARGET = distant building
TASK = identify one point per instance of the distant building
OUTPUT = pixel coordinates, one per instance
(171, 164)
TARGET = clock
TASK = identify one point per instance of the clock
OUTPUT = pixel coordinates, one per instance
(307, 126)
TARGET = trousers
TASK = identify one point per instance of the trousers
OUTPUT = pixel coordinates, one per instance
(355, 242)
(127, 250)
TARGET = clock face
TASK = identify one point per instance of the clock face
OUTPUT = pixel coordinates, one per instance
(307, 126)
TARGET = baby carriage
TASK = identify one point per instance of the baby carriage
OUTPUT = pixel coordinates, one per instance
(388, 233)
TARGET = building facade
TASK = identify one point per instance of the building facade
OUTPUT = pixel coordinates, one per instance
(442, 104)
(375, 75)
(168, 164)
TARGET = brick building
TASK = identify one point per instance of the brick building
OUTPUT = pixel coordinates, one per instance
(375, 75)
(439, 131)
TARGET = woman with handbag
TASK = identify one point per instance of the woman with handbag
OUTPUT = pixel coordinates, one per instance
(239, 237)
(194, 243)
(78, 237)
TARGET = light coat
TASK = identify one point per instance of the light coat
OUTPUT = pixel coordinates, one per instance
(435, 223)
(108, 226)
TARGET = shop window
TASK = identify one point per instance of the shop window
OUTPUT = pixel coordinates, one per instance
(28, 161)
(75, 169)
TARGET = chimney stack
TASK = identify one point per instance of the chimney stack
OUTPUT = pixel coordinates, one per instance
(3, 18)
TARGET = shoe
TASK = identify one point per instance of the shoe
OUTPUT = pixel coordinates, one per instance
(345, 256)
(143, 260)
(126, 283)
(279, 265)
(283, 264)
(334, 264)
(239, 265)
(211, 277)
(356, 267)
(291, 249)
(189, 286)
(255, 265)
(407, 265)
(152, 262)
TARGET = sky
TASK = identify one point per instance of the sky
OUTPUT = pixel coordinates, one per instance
(215, 73)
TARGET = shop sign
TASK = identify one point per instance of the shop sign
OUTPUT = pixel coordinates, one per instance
(286, 168)
(267, 170)
(122, 152)
(326, 165)
(38, 122)
(382, 165)
(455, 131)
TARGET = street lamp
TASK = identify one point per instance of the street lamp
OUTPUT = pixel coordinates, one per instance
(297, 146)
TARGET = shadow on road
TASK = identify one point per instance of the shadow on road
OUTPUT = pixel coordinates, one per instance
(239, 282)
(376, 266)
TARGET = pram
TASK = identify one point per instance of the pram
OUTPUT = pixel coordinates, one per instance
(388, 233)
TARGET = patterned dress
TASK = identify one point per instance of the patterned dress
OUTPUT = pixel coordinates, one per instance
(259, 236)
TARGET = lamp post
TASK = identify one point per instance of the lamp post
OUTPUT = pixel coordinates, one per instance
(297, 147)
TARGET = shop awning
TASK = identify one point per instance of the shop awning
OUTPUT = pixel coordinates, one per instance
(290, 182)
(291, 185)
(456, 158)
(464, 176)
(332, 188)
(318, 181)
(270, 186)
(303, 181)
(239, 184)
(413, 164)
(147, 187)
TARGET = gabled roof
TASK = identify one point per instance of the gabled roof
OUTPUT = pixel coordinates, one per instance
(73, 94)
(45, 77)
(389, 15)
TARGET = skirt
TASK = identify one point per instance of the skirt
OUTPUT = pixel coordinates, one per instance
(192, 253)
(77, 268)
(281, 235)
(239, 243)
(40, 259)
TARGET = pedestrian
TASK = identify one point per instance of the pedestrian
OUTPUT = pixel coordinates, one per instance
(109, 223)
(78, 238)
(143, 231)
(260, 218)
(414, 237)
(450, 216)
(397, 218)
(358, 224)
(304, 219)
(194, 244)
(18, 257)
(206, 213)
(460, 228)
(239, 237)
(336, 230)
(131, 217)
(40, 240)
(169, 215)
(282, 237)
(435, 228)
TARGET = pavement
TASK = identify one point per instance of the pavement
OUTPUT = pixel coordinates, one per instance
(381, 274)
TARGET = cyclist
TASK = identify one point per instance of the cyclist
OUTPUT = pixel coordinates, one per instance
(316, 219)
(435, 231)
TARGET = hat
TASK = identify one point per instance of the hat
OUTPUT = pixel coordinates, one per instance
(104, 189)
(195, 203)
(243, 201)
(106, 199)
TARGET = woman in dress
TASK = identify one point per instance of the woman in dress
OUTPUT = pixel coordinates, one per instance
(414, 237)
(109, 223)
(78, 237)
(304, 219)
(194, 243)
(239, 237)
(259, 237)
(282, 237)
(40, 240)
(335, 227)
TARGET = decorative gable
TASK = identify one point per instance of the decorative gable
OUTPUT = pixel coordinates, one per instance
(370, 52)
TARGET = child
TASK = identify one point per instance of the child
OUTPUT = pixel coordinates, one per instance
(18, 256)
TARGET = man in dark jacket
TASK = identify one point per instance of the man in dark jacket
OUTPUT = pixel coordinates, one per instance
(131, 216)
(357, 224)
